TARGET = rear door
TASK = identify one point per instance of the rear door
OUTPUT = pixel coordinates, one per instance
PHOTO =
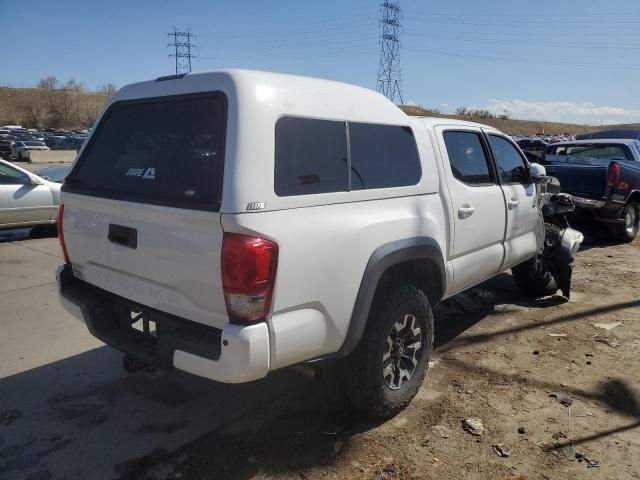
(523, 216)
(142, 205)
(20, 201)
(477, 204)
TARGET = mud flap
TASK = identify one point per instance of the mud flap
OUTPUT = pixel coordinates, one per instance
(568, 246)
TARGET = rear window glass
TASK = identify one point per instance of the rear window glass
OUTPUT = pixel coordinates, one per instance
(383, 156)
(311, 156)
(164, 151)
(598, 150)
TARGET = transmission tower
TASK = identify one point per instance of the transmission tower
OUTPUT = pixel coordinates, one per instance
(182, 53)
(389, 72)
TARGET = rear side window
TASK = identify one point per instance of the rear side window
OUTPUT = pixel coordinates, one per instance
(167, 151)
(467, 157)
(383, 156)
(511, 166)
(311, 156)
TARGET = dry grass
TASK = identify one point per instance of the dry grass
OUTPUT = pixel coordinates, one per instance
(521, 127)
(32, 107)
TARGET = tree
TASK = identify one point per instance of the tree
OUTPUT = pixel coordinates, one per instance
(74, 86)
(48, 83)
(108, 88)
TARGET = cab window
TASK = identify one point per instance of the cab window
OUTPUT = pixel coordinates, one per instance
(467, 157)
(511, 166)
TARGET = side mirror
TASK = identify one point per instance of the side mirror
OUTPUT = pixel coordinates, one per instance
(536, 172)
(35, 181)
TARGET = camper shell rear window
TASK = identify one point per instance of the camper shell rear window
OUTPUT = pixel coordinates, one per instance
(166, 151)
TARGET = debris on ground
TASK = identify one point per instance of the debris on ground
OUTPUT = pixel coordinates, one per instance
(557, 334)
(590, 463)
(607, 326)
(473, 425)
(569, 452)
(441, 431)
(562, 398)
(521, 431)
(501, 449)
(606, 341)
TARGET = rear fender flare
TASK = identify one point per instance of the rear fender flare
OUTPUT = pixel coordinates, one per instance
(384, 257)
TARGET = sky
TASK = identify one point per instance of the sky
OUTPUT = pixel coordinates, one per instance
(560, 60)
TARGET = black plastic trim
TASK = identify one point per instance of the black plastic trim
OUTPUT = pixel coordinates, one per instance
(172, 333)
(170, 77)
(384, 257)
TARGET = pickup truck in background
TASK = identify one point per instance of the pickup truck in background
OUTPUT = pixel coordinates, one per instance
(603, 176)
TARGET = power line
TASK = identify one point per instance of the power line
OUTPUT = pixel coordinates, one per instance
(182, 53)
(389, 81)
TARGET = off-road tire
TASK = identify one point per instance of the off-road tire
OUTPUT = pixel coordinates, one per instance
(534, 279)
(360, 373)
(626, 232)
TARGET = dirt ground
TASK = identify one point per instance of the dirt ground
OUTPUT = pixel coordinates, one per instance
(499, 358)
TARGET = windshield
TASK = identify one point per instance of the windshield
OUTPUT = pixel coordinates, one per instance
(599, 151)
(164, 151)
(34, 144)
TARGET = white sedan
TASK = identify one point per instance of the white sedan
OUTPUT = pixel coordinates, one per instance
(26, 200)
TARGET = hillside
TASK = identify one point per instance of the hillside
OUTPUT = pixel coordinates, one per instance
(521, 127)
(41, 108)
(66, 108)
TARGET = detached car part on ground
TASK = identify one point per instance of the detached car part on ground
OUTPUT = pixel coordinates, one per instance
(260, 221)
(552, 268)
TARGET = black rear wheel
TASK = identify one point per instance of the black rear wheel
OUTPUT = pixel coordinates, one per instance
(627, 231)
(385, 371)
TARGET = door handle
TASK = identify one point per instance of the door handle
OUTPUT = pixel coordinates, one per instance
(513, 203)
(465, 211)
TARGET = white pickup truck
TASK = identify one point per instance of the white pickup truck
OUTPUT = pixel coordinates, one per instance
(232, 223)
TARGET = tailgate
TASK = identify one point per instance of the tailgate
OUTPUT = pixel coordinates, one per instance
(580, 180)
(141, 206)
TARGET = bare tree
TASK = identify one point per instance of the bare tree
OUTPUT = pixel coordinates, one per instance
(74, 86)
(48, 83)
(108, 88)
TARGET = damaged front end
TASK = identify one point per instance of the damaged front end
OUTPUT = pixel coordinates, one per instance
(559, 243)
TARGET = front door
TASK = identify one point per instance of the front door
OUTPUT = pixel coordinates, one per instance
(523, 216)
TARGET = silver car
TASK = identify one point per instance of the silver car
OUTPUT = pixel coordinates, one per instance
(26, 199)
(21, 149)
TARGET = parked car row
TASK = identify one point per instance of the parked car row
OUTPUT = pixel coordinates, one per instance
(16, 142)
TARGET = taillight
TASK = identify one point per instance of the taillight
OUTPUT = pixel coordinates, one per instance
(613, 176)
(61, 233)
(248, 276)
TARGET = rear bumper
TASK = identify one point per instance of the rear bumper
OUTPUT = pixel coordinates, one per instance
(588, 203)
(235, 354)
